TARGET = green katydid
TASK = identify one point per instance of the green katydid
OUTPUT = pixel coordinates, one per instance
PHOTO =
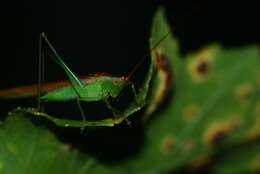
(94, 88)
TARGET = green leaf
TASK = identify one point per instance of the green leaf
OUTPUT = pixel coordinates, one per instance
(215, 101)
(27, 149)
(214, 104)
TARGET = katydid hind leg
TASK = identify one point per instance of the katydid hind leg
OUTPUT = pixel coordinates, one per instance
(82, 113)
(65, 122)
(74, 80)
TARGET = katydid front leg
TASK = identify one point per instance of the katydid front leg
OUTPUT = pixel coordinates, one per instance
(116, 113)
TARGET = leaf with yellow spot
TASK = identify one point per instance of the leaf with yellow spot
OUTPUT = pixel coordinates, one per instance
(205, 106)
(25, 148)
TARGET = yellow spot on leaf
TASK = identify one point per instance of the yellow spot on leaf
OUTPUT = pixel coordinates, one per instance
(12, 148)
(191, 112)
(163, 83)
(256, 164)
(244, 91)
(217, 131)
(167, 144)
(254, 132)
(159, 95)
(187, 146)
(201, 161)
(200, 65)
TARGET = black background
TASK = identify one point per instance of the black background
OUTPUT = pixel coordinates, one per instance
(111, 36)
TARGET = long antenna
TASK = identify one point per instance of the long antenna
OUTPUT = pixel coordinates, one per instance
(40, 72)
(146, 56)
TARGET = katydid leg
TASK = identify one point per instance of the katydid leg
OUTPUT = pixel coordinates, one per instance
(74, 80)
(116, 112)
(65, 122)
(82, 113)
(134, 90)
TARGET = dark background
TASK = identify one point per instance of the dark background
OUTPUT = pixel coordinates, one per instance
(111, 36)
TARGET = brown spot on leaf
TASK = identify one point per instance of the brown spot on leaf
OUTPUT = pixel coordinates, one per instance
(164, 70)
(218, 131)
(191, 112)
(163, 79)
(203, 67)
(200, 162)
(199, 66)
(167, 144)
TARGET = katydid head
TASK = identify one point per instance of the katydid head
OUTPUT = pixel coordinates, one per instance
(121, 81)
